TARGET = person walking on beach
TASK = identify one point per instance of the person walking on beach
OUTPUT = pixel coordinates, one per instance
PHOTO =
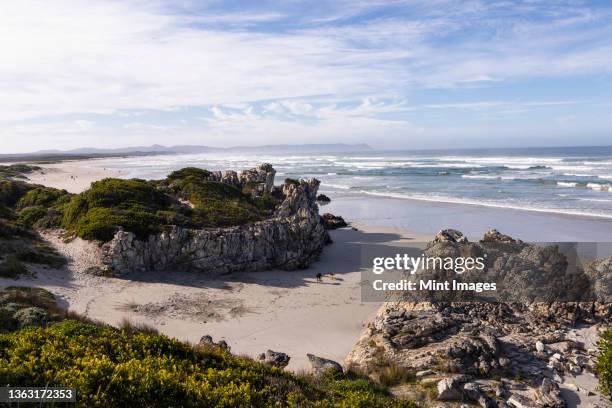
(319, 278)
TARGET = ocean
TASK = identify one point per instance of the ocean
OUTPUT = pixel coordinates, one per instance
(565, 180)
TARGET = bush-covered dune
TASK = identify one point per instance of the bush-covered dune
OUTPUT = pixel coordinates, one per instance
(185, 198)
(112, 367)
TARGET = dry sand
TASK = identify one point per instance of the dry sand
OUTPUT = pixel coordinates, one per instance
(284, 311)
(72, 176)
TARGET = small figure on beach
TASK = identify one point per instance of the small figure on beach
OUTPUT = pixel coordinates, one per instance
(319, 277)
(331, 276)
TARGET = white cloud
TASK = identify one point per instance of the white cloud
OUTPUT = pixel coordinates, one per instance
(130, 57)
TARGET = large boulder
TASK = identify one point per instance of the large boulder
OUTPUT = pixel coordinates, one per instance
(322, 365)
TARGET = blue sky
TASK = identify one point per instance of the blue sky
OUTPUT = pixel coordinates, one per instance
(393, 74)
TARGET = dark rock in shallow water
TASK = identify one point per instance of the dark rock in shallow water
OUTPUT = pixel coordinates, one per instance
(331, 221)
(323, 199)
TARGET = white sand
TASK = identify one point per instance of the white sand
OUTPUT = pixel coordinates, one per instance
(72, 176)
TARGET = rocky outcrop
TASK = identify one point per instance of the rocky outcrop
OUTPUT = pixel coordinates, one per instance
(527, 337)
(292, 238)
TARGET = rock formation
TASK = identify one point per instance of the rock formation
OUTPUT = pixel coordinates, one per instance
(292, 238)
(524, 338)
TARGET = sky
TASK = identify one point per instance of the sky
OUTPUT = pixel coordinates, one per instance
(394, 74)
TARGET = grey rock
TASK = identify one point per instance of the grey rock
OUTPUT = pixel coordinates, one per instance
(322, 365)
(451, 388)
(495, 236)
(274, 359)
(549, 394)
(450, 235)
(520, 401)
(474, 393)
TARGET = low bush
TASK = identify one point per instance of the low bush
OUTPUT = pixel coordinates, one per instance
(110, 367)
(604, 363)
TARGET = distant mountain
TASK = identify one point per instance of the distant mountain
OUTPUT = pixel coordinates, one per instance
(303, 148)
(91, 152)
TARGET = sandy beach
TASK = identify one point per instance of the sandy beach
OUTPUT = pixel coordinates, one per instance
(72, 176)
(284, 311)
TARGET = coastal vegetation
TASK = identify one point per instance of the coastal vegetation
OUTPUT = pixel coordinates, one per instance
(604, 363)
(108, 366)
(186, 198)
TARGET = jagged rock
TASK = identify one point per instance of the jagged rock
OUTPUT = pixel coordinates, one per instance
(322, 365)
(323, 199)
(31, 316)
(549, 394)
(495, 236)
(450, 235)
(451, 388)
(261, 178)
(473, 392)
(506, 338)
(291, 239)
(520, 401)
(332, 222)
(274, 359)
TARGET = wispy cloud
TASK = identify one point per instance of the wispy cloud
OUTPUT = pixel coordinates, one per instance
(347, 65)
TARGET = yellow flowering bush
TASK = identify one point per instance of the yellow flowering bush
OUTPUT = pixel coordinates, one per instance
(116, 368)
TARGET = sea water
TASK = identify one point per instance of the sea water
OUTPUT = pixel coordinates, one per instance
(565, 180)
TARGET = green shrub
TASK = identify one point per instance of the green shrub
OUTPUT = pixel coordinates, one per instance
(183, 173)
(604, 363)
(43, 196)
(292, 181)
(17, 170)
(29, 216)
(111, 367)
(11, 191)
